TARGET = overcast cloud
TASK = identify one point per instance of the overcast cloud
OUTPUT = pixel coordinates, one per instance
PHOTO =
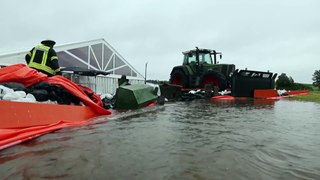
(276, 35)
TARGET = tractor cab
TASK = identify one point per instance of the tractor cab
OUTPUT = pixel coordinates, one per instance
(200, 68)
(200, 56)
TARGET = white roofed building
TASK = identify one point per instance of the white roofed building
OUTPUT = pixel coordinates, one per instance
(93, 55)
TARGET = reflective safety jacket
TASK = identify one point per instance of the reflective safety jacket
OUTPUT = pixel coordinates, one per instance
(44, 59)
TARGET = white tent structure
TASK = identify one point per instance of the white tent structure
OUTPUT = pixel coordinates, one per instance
(95, 55)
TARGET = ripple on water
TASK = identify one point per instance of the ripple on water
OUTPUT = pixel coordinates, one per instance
(183, 140)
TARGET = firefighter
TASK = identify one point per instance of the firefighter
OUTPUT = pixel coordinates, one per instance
(44, 59)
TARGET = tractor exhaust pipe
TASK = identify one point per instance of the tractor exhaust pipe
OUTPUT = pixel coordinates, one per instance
(215, 56)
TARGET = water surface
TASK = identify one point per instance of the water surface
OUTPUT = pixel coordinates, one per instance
(184, 140)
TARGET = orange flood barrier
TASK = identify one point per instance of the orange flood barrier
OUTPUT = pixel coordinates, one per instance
(273, 94)
(265, 93)
(10, 137)
(25, 114)
(22, 121)
(225, 97)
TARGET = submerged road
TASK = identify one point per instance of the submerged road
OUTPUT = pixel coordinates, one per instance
(183, 140)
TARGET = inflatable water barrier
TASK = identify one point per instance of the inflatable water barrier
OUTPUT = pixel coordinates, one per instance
(21, 121)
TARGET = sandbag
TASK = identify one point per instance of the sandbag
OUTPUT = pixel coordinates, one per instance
(14, 86)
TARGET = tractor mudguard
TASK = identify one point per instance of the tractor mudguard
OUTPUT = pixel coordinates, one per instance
(185, 69)
(178, 77)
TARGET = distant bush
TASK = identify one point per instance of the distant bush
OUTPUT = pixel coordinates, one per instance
(285, 82)
(299, 86)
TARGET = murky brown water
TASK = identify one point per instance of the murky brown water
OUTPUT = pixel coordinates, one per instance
(184, 140)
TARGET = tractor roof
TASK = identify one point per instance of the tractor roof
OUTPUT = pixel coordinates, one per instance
(200, 50)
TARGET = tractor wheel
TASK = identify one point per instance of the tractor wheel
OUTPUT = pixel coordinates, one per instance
(215, 78)
(178, 78)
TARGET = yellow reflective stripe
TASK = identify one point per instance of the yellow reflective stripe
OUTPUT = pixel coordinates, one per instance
(44, 58)
(33, 54)
(42, 67)
(54, 57)
(45, 50)
(57, 70)
(29, 54)
(42, 47)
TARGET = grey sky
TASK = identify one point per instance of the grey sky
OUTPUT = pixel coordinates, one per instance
(276, 35)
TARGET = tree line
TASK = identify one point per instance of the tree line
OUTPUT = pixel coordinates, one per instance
(287, 82)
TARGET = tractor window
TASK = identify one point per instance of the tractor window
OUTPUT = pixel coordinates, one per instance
(189, 59)
(205, 58)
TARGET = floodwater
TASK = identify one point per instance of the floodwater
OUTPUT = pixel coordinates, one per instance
(183, 140)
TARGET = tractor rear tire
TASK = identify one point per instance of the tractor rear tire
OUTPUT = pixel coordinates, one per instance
(179, 78)
(215, 78)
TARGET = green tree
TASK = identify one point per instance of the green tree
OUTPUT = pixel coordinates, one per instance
(284, 82)
(316, 78)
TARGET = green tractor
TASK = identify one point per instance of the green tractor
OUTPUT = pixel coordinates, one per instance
(200, 68)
